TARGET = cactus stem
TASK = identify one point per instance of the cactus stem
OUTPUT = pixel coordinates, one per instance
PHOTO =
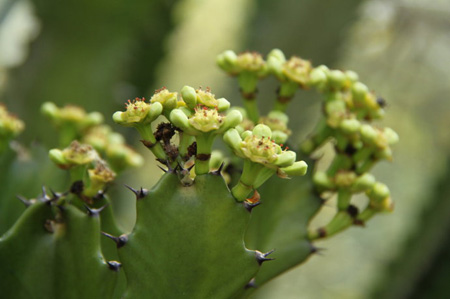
(262, 257)
(140, 194)
(251, 284)
(120, 241)
(114, 265)
(218, 171)
(94, 212)
(25, 201)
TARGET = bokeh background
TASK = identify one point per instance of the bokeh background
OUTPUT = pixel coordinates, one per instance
(99, 53)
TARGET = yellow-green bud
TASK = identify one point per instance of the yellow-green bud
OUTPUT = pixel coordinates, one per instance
(169, 100)
(368, 133)
(10, 125)
(189, 96)
(337, 79)
(344, 178)
(350, 126)
(318, 77)
(391, 136)
(262, 131)
(275, 61)
(359, 91)
(363, 183)
(299, 168)
(297, 70)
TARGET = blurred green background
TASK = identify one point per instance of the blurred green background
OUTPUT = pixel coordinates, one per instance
(99, 53)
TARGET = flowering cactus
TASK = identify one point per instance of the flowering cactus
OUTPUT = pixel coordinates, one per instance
(198, 231)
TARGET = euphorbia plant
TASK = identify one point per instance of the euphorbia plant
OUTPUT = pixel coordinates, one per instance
(200, 232)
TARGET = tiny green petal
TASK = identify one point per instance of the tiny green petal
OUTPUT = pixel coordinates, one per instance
(189, 96)
(299, 168)
(262, 131)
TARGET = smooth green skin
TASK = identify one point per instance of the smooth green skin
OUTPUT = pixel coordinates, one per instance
(65, 264)
(188, 242)
(280, 223)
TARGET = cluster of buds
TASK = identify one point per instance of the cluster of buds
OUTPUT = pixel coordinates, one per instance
(10, 126)
(74, 123)
(263, 157)
(86, 166)
(112, 147)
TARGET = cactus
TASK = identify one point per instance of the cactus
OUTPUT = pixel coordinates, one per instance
(209, 226)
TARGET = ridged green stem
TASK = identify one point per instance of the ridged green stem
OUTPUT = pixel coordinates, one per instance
(286, 93)
(204, 146)
(247, 181)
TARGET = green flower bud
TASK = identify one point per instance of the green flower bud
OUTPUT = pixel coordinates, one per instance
(57, 157)
(344, 178)
(262, 131)
(378, 192)
(233, 139)
(350, 126)
(380, 198)
(285, 159)
(279, 137)
(368, 133)
(337, 79)
(189, 96)
(318, 77)
(351, 76)
(299, 168)
(232, 119)
(391, 136)
(168, 100)
(206, 98)
(222, 104)
(363, 183)
(227, 61)
(49, 109)
(275, 62)
(297, 70)
(359, 91)
(179, 119)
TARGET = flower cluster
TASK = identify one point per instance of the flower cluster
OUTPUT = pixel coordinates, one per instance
(10, 126)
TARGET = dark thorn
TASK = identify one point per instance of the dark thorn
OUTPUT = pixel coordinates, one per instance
(251, 284)
(100, 195)
(218, 171)
(25, 201)
(190, 167)
(352, 211)
(141, 193)
(120, 241)
(162, 168)
(249, 206)
(94, 212)
(262, 257)
(77, 187)
(114, 265)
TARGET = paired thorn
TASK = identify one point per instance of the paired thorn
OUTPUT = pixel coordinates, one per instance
(120, 240)
(165, 170)
(114, 265)
(140, 194)
(94, 212)
(262, 257)
(251, 284)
